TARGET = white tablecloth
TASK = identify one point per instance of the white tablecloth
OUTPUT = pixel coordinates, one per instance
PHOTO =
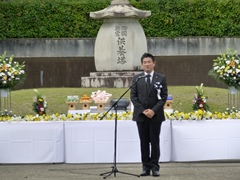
(93, 142)
(31, 142)
(205, 140)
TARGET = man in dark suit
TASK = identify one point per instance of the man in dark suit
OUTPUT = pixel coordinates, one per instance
(148, 99)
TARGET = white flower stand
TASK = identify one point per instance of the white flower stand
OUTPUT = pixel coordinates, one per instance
(233, 97)
(5, 100)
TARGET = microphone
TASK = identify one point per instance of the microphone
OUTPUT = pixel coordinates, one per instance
(140, 77)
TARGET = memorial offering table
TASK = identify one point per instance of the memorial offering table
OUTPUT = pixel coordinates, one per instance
(31, 142)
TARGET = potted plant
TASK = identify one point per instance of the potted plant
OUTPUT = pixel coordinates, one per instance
(39, 103)
(200, 100)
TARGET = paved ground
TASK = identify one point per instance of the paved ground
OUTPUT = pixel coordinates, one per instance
(169, 171)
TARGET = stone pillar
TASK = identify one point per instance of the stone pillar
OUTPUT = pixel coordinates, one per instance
(121, 41)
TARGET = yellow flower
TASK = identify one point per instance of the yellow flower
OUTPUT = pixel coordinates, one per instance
(219, 116)
(227, 68)
(186, 116)
(69, 116)
(36, 119)
(233, 116)
(200, 112)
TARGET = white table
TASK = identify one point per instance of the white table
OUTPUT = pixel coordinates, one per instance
(205, 140)
(93, 142)
(31, 142)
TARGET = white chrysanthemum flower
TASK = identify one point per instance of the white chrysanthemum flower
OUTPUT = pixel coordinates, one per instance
(227, 62)
(216, 68)
(9, 73)
(222, 67)
(21, 72)
(229, 71)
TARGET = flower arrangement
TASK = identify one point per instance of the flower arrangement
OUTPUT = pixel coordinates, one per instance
(39, 103)
(6, 114)
(127, 115)
(204, 115)
(200, 100)
(11, 72)
(226, 69)
(100, 96)
(195, 115)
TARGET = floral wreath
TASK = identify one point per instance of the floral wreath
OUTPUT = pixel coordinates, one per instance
(158, 86)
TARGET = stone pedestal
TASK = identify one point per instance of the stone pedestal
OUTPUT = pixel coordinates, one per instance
(109, 79)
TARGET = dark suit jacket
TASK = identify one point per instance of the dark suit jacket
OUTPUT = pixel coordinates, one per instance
(143, 100)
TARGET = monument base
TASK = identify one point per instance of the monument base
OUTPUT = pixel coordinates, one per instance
(121, 79)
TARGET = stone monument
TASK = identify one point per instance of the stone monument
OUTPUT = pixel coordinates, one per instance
(119, 45)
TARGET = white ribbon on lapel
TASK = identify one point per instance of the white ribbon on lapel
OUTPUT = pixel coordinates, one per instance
(158, 87)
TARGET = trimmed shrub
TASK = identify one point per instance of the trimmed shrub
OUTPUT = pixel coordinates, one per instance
(71, 19)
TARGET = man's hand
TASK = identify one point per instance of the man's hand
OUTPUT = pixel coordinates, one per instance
(149, 113)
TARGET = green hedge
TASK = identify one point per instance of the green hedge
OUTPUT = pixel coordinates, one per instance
(70, 18)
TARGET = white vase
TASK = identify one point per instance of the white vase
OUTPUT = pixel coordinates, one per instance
(233, 90)
(4, 92)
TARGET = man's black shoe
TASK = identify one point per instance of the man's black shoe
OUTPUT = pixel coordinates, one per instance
(155, 173)
(145, 173)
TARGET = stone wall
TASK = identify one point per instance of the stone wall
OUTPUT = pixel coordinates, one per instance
(62, 62)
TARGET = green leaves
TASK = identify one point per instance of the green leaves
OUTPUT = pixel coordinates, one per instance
(71, 19)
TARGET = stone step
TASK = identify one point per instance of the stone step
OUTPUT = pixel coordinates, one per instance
(117, 73)
(109, 79)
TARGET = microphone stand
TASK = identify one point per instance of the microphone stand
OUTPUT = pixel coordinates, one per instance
(114, 167)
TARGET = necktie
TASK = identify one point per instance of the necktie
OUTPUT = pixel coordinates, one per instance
(148, 82)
